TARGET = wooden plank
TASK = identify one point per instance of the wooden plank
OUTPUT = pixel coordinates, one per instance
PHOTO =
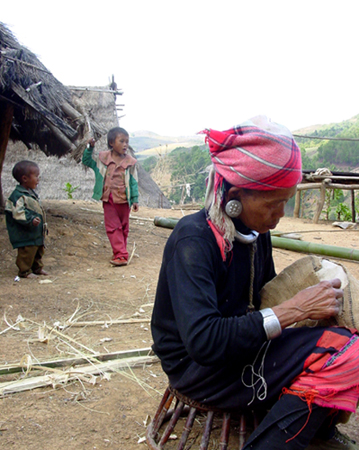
(108, 91)
(304, 186)
(76, 323)
(50, 116)
(314, 178)
(15, 368)
(83, 373)
(343, 186)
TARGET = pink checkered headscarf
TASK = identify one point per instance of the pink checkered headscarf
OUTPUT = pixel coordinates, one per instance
(258, 154)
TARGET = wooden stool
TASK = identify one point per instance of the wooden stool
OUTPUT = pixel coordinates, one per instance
(184, 406)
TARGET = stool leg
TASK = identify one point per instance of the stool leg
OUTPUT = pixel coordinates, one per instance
(255, 420)
(242, 431)
(225, 431)
(207, 431)
(161, 412)
(172, 423)
(187, 428)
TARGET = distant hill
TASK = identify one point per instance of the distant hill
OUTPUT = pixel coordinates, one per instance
(176, 161)
(334, 154)
(147, 143)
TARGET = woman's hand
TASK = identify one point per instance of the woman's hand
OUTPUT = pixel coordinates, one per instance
(321, 301)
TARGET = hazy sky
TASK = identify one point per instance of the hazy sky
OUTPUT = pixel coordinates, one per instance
(192, 64)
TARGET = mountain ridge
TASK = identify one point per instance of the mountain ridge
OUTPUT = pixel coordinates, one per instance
(147, 143)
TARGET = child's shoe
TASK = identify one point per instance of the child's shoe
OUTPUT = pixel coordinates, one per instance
(121, 261)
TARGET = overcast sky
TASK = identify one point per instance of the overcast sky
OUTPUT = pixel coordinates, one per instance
(192, 64)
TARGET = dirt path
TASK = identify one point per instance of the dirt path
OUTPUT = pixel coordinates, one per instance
(96, 413)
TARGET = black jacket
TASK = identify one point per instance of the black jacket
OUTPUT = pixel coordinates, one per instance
(201, 301)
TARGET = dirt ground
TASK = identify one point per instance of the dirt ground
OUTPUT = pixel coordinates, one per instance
(106, 411)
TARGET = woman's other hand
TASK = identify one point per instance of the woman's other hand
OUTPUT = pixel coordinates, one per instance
(321, 301)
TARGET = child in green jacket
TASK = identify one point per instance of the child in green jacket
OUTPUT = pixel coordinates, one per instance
(116, 185)
(25, 220)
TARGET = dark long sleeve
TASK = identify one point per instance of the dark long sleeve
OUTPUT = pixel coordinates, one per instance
(201, 301)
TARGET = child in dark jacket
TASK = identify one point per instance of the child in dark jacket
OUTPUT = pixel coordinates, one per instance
(25, 220)
(116, 185)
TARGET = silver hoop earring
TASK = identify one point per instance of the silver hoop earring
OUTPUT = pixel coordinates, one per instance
(233, 208)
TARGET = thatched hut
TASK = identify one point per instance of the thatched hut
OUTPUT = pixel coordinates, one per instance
(37, 110)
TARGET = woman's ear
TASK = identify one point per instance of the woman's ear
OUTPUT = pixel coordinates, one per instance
(233, 206)
(234, 192)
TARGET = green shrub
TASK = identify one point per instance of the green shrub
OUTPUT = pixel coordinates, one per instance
(70, 190)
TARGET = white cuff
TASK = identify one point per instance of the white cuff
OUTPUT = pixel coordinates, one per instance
(271, 323)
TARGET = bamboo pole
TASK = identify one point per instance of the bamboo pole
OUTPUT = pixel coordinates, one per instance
(165, 222)
(310, 247)
(289, 244)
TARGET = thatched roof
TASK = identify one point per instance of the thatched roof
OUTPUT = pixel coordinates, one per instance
(57, 119)
(43, 110)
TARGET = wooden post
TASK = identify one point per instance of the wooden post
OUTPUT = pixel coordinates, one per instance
(352, 191)
(183, 194)
(6, 116)
(297, 204)
(321, 201)
(60, 136)
(327, 184)
(72, 112)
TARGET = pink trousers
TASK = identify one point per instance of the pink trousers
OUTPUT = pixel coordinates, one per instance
(117, 220)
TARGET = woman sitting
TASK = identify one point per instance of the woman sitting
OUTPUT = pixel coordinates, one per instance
(215, 344)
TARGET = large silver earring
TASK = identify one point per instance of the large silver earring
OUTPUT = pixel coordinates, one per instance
(233, 208)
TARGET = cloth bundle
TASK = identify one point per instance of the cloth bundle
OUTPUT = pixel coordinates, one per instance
(307, 272)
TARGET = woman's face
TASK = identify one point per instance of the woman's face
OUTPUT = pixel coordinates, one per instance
(262, 210)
